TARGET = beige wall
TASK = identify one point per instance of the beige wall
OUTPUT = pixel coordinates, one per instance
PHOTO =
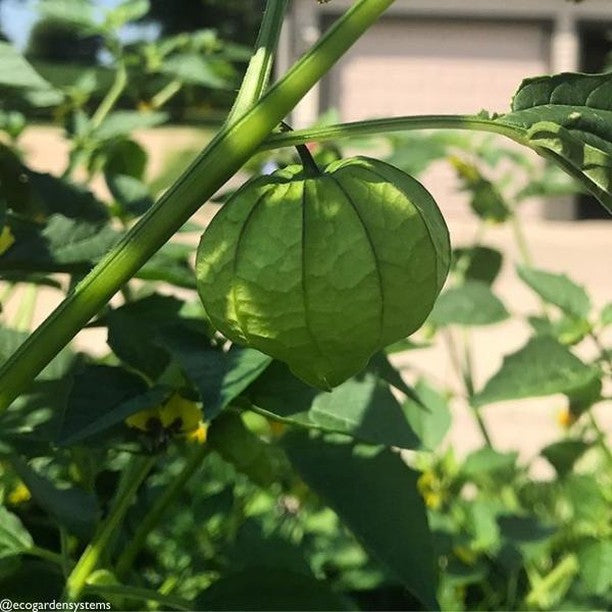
(416, 66)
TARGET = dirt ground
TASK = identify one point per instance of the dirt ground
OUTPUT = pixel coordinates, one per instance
(579, 249)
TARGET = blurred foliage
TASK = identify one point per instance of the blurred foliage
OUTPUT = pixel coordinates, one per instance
(274, 495)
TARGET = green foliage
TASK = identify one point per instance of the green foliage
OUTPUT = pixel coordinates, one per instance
(176, 467)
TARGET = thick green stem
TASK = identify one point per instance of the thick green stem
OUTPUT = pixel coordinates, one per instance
(153, 516)
(375, 127)
(259, 69)
(221, 159)
(137, 472)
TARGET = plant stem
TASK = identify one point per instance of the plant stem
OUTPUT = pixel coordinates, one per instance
(521, 241)
(464, 369)
(223, 156)
(165, 93)
(136, 472)
(47, 555)
(394, 124)
(111, 97)
(258, 72)
(130, 592)
(153, 516)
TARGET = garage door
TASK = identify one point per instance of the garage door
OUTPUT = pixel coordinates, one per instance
(403, 66)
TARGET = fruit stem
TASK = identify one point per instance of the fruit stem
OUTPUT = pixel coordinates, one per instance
(308, 162)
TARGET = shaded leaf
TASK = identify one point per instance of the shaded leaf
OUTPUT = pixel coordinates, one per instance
(542, 367)
(238, 445)
(430, 417)
(60, 245)
(102, 397)
(14, 538)
(219, 377)
(472, 303)
(362, 407)
(132, 330)
(486, 200)
(563, 455)
(130, 193)
(479, 263)
(171, 264)
(269, 589)
(557, 289)
(72, 508)
(361, 483)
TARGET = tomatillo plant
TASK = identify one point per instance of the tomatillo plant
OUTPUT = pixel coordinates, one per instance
(186, 469)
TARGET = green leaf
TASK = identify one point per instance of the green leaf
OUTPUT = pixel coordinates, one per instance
(14, 538)
(269, 589)
(542, 367)
(124, 157)
(72, 508)
(470, 304)
(479, 263)
(381, 366)
(238, 445)
(130, 193)
(197, 70)
(16, 72)
(122, 123)
(606, 315)
(557, 289)
(595, 561)
(220, 377)
(568, 118)
(567, 330)
(563, 455)
(375, 494)
(129, 10)
(60, 245)
(486, 201)
(133, 328)
(171, 264)
(362, 407)
(101, 397)
(12, 339)
(77, 13)
(430, 418)
(489, 462)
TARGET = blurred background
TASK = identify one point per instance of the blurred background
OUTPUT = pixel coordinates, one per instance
(423, 57)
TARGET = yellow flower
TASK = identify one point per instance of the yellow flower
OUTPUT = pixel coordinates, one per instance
(430, 488)
(19, 494)
(6, 239)
(177, 416)
(566, 418)
(199, 435)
